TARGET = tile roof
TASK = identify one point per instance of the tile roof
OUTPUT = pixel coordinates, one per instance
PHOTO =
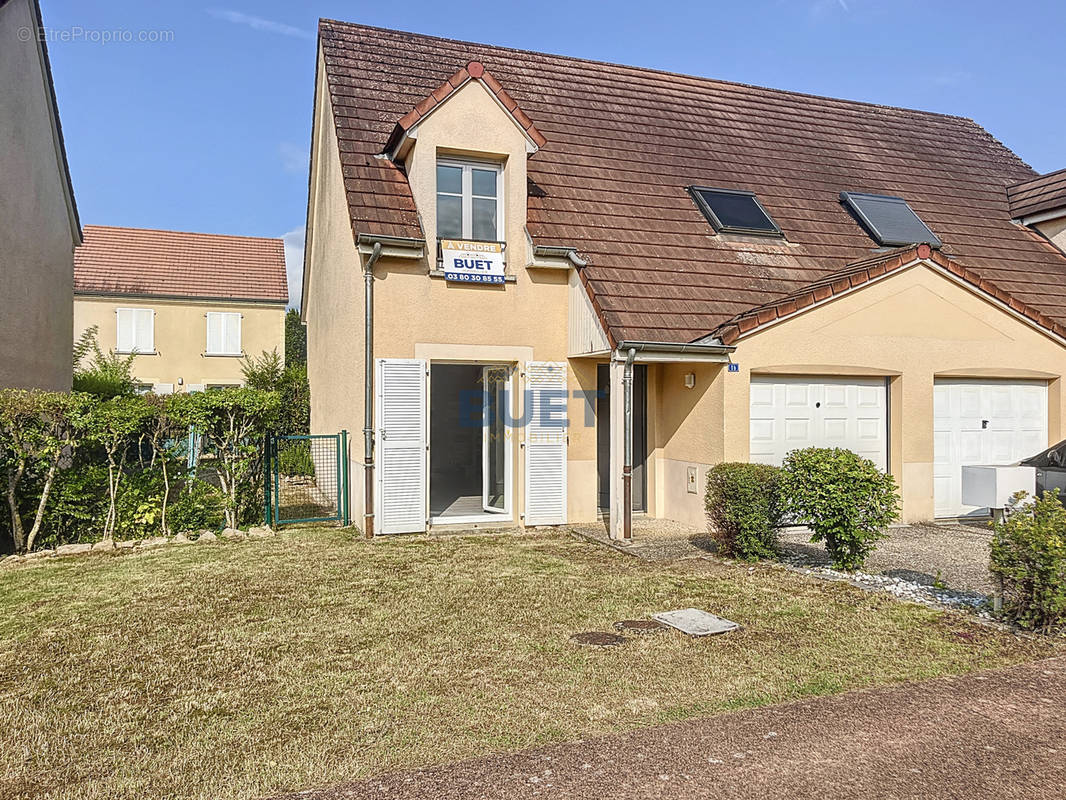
(861, 273)
(622, 143)
(472, 71)
(1045, 193)
(139, 261)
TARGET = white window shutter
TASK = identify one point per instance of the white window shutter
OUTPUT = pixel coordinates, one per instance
(124, 330)
(400, 491)
(145, 333)
(545, 485)
(215, 339)
(233, 334)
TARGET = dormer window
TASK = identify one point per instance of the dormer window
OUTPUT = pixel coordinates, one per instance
(469, 200)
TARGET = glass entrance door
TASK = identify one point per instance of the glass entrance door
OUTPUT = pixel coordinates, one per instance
(495, 450)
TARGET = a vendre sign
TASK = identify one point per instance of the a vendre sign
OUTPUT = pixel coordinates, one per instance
(472, 262)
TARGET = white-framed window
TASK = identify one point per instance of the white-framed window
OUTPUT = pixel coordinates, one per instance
(224, 333)
(469, 200)
(134, 330)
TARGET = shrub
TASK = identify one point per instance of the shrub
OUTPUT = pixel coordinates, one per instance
(744, 509)
(844, 499)
(232, 424)
(101, 374)
(1028, 557)
(197, 505)
(294, 458)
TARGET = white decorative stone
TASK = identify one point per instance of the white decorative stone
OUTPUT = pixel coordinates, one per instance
(39, 554)
(155, 541)
(104, 546)
(233, 535)
(10, 561)
(260, 532)
(127, 544)
(206, 538)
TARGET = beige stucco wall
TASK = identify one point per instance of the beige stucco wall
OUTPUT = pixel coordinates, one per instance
(910, 328)
(1055, 230)
(181, 336)
(333, 304)
(36, 234)
(421, 315)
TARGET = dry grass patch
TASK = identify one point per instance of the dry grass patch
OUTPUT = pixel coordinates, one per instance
(235, 670)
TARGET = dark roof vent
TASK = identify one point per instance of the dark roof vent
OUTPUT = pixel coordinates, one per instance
(888, 220)
(734, 211)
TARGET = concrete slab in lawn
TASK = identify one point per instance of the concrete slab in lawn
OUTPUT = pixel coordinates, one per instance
(694, 622)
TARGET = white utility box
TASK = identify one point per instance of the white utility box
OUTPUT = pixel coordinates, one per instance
(993, 487)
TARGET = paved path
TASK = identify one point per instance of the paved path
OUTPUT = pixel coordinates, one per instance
(996, 735)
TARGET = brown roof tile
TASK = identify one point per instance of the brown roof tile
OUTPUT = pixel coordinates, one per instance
(175, 264)
(1046, 193)
(622, 143)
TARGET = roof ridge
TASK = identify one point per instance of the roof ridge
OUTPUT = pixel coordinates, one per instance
(652, 70)
(185, 233)
(1051, 174)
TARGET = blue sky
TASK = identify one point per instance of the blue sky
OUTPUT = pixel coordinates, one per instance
(209, 130)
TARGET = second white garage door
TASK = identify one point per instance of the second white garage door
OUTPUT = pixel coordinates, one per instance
(790, 413)
(982, 422)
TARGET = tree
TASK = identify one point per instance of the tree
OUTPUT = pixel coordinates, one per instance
(37, 430)
(263, 373)
(115, 425)
(295, 339)
(98, 373)
(161, 431)
(231, 424)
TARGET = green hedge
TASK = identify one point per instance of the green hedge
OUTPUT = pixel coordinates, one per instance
(744, 509)
(80, 467)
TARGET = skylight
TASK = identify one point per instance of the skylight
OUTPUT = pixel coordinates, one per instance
(734, 211)
(888, 220)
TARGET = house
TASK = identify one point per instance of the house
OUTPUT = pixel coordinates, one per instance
(39, 226)
(534, 279)
(190, 305)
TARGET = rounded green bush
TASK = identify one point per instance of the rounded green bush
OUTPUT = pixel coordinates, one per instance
(744, 509)
(843, 498)
(1028, 559)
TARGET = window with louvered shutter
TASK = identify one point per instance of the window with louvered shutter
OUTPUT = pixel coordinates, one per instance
(223, 333)
(134, 330)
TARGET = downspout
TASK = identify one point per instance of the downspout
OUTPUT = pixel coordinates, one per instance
(627, 465)
(368, 397)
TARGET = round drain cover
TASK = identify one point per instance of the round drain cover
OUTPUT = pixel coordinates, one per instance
(597, 639)
(639, 626)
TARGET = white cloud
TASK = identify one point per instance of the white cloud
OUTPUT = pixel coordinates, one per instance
(259, 24)
(293, 158)
(294, 264)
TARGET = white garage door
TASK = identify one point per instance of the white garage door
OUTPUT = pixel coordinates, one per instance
(982, 422)
(790, 413)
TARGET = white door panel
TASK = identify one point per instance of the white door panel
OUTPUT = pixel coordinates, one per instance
(982, 422)
(400, 497)
(546, 442)
(791, 413)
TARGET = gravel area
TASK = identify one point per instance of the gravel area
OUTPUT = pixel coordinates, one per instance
(932, 564)
(951, 556)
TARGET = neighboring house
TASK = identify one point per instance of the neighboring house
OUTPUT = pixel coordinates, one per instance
(39, 226)
(782, 271)
(191, 305)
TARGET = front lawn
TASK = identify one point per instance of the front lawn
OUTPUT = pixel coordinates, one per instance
(235, 670)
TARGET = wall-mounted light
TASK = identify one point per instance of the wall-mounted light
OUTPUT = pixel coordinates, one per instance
(181, 381)
(690, 380)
